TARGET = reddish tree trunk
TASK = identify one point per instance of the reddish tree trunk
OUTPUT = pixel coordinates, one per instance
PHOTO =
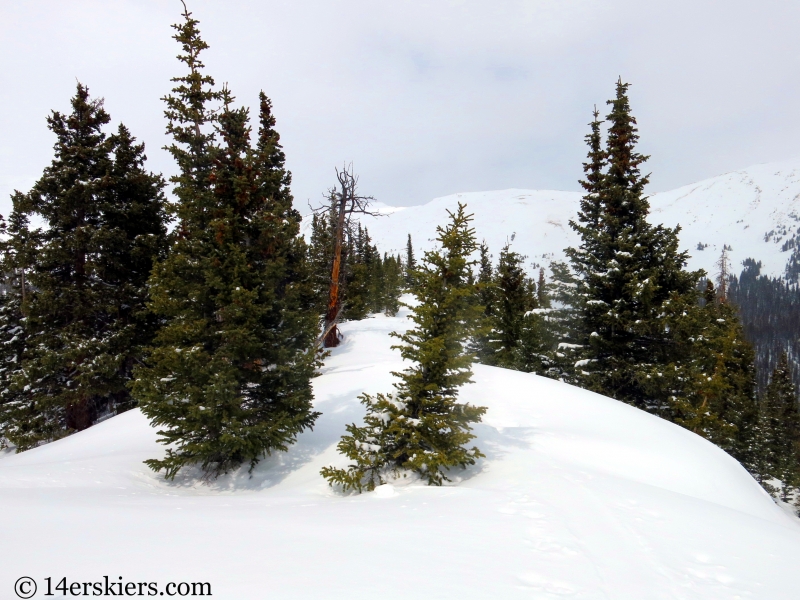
(334, 299)
(80, 415)
(348, 203)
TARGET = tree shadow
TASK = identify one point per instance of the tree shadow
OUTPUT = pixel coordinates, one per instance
(495, 444)
(272, 470)
(345, 408)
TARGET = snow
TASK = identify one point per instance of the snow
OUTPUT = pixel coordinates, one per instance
(579, 496)
(754, 211)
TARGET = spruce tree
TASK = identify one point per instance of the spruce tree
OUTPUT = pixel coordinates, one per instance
(515, 297)
(711, 380)
(485, 298)
(421, 428)
(627, 269)
(362, 290)
(133, 237)
(411, 263)
(486, 280)
(562, 340)
(778, 439)
(227, 379)
(356, 269)
(320, 256)
(541, 290)
(377, 282)
(538, 339)
(536, 344)
(18, 250)
(591, 205)
(85, 318)
(392, 284)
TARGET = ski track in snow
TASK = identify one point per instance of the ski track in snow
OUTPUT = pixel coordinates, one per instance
(579, 497)
(737, 209)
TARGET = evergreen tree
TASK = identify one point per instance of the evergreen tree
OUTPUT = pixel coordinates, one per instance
(363, 289)
(486, 281)
(17, 254)
(712, 384)
(411, 263)
(778, 439)
(562, 337)
(591, 206)
(392, 284)
(515, 298)
(85, 322)
(627, 269)
(190, 117)
(539, 339)
(515, 332)
(485, 298)
(227, 379)
(133, 237)
(421, 428)
(377, 282)
(320, 257)
(357, 274)
(541, 291)
(537, 343)
(369, 284)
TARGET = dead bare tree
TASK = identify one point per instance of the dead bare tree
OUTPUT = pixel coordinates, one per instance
(723, 275)
(343, 201)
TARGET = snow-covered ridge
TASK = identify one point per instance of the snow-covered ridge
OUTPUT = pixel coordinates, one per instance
(754, 211)
(579, 496)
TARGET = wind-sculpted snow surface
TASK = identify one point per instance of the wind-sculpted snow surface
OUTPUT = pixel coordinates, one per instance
(579, 497)
(755, 212)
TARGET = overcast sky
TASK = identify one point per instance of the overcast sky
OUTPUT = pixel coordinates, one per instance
(426, 98)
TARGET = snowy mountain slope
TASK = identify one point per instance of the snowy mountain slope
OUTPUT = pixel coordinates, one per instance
(755, 211)
(579, 496)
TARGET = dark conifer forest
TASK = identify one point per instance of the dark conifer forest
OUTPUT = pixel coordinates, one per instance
(770, 312)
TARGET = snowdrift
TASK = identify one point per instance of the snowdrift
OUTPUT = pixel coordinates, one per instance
(754, 212)
(580, 496)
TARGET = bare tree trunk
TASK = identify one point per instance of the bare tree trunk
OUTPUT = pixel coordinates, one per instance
(723, 264)
(80, 414)
(345, 201)
(331, 339)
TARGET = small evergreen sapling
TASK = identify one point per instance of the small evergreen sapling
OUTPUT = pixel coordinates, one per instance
(421, 428)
